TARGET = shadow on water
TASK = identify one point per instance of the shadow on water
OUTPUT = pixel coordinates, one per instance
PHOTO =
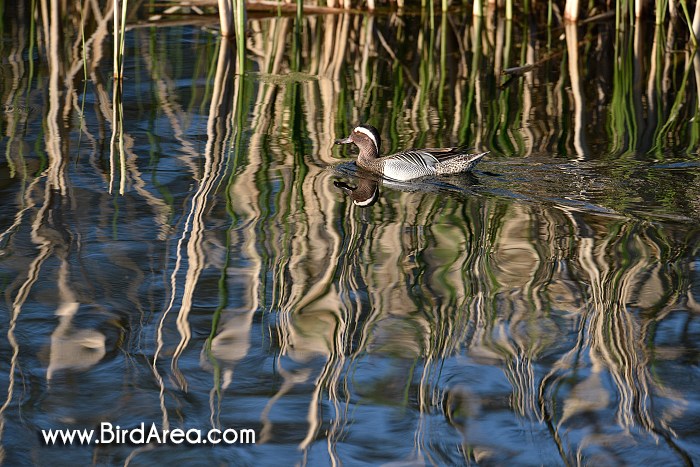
(189, 251)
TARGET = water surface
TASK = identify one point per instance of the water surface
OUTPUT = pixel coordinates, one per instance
(180, 253)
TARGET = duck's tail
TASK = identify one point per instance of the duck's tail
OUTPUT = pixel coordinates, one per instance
(463, 163)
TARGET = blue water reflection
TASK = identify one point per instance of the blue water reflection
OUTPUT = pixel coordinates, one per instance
(183, 254)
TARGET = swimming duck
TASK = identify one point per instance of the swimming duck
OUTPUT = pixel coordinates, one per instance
(410, 164)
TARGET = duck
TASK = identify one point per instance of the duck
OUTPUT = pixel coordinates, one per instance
(412, 163)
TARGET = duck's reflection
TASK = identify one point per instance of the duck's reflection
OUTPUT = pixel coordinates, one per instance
(365, 193)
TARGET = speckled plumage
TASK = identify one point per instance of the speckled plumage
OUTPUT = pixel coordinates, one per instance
(411, 164)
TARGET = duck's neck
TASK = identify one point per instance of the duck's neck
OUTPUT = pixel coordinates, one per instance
(368, 157)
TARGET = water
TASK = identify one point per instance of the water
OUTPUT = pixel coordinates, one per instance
(200, 266)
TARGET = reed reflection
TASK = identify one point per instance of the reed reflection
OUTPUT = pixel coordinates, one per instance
(45, 224)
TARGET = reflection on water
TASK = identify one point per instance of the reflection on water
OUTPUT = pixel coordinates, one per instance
(364, 194)
(189, 249)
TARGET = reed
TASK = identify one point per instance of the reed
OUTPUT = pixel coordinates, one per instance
(660, 10)
(626, 129)
(478, 8)
(240, 18)
(571, 10)
(443, 67)
(674, 114)
(119, 24)
(472, 104)
(691, 24)
(226, 17)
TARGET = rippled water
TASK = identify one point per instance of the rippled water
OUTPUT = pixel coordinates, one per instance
(196, 262)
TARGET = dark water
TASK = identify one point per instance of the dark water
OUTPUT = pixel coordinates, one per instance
(190, 259)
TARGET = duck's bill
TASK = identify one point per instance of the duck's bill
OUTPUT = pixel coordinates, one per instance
(344, 140)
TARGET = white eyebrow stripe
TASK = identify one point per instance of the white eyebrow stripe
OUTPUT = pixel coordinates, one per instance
(368, 133)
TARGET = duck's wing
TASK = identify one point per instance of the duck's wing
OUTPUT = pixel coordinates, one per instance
(414, 157)
(409, 165)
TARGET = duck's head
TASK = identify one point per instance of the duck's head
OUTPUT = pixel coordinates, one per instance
(366, 137)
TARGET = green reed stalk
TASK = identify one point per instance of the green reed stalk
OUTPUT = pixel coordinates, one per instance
(398, 96)
(509, 9)
(660, 13)
(621, 12)
(432, 15)
(466, 121)
(694, 130)
(656, 101)
(693, 135)
(296, 47)
(616, 119)
(501, 125)
(300, 11)
(119, 32)
(675, 110)
(696, 68)
(426, 77)
(623, 124)
(443, 66)
(684, 6)
(240, 19)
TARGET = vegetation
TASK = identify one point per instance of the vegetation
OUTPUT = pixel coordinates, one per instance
(202, 177)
